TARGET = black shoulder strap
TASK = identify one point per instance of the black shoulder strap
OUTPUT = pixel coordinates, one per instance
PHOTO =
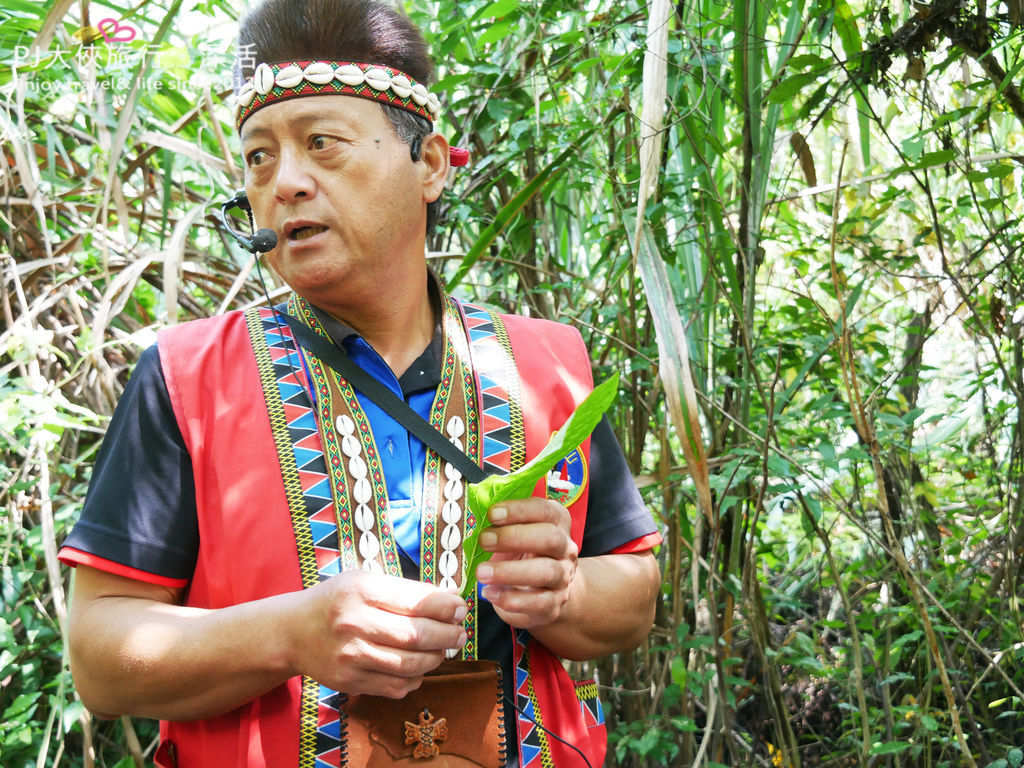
(396, 407)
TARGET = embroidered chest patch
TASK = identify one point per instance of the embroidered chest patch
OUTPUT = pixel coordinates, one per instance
(567, 480)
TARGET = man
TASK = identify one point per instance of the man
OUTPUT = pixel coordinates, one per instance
(241, 550)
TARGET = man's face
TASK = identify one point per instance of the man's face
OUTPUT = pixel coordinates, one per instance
(329, 175)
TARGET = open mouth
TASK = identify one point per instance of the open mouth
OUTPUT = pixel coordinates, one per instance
(302, 233)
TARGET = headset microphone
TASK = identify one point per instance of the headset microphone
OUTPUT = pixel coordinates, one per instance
(264, 240)
(260, 241)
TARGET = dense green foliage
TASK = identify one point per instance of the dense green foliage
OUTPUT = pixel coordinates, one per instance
(820, 332)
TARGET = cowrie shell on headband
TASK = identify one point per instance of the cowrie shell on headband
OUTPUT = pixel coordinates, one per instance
(401, 85)
(290, 76)
(378, 79)
(319, 73)
(350, 74)
(246, 94)
(263, 79)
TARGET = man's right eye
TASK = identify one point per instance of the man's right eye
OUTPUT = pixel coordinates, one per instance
(256, 157)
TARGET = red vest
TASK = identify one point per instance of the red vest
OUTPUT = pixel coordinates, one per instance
(248, 547)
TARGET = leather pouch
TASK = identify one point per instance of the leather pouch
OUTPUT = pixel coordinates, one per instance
(454, 720)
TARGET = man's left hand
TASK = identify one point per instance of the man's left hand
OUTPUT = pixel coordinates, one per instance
(529, 578)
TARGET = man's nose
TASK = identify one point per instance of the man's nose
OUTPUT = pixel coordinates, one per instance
(294, 179)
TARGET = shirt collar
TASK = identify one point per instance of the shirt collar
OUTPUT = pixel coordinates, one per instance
(423, 374)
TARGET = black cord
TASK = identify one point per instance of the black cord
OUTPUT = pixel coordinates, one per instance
(393, 405)
(548, 731)
(296, 366)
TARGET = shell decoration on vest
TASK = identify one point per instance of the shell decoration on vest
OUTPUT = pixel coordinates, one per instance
(362, 493)
(270, 83)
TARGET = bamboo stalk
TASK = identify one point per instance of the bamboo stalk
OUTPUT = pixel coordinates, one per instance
(847, 355)
(88, 744)
(132, 742)
(222, 142)
(866, 430)
(676, 377)
(757, 615)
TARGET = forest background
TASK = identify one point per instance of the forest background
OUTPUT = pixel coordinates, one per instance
(792, 225)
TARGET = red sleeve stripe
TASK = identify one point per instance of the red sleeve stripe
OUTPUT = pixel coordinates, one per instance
(642, 544)
(76, 557)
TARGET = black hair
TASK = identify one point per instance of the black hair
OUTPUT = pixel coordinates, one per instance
(356, 30)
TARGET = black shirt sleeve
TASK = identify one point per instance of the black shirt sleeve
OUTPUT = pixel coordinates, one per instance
(616, 513)
(140, 510)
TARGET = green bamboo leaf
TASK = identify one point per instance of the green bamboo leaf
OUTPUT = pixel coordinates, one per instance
(480, 497)
(495, 32)
(846, 27)
(24, 6)
(853, 47)
(788, 88)
(927, 160)
(807, 60)
(497, 9)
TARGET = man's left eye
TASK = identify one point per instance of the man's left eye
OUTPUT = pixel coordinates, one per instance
(321, 142)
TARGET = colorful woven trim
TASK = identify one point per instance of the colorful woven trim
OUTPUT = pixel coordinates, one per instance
(286, 80)
(303, 472)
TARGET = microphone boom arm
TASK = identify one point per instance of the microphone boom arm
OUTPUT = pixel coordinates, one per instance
(258, 242)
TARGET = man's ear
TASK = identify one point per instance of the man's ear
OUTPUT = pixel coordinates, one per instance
(434, 157)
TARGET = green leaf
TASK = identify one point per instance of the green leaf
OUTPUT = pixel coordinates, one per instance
(72, 712)
(788, 88)
(497, 9)
(891, 419)
(684, 724)
(25, 6)
(495, 32)
(804, 60)
(480, 497)
(889, 747)
(23, 705)
(678, 671)
(913, 147)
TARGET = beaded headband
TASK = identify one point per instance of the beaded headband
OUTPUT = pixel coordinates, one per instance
(276, 82)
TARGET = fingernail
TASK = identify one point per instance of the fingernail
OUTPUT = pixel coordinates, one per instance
(498, 514)
(484, 572)
(461, 612)
(462, 640)
(488, 539)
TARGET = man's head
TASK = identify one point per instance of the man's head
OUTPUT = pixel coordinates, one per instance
(341, 160)
(365, 31)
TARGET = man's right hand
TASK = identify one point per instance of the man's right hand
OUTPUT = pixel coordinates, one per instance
(137, 651)
(366, 633)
